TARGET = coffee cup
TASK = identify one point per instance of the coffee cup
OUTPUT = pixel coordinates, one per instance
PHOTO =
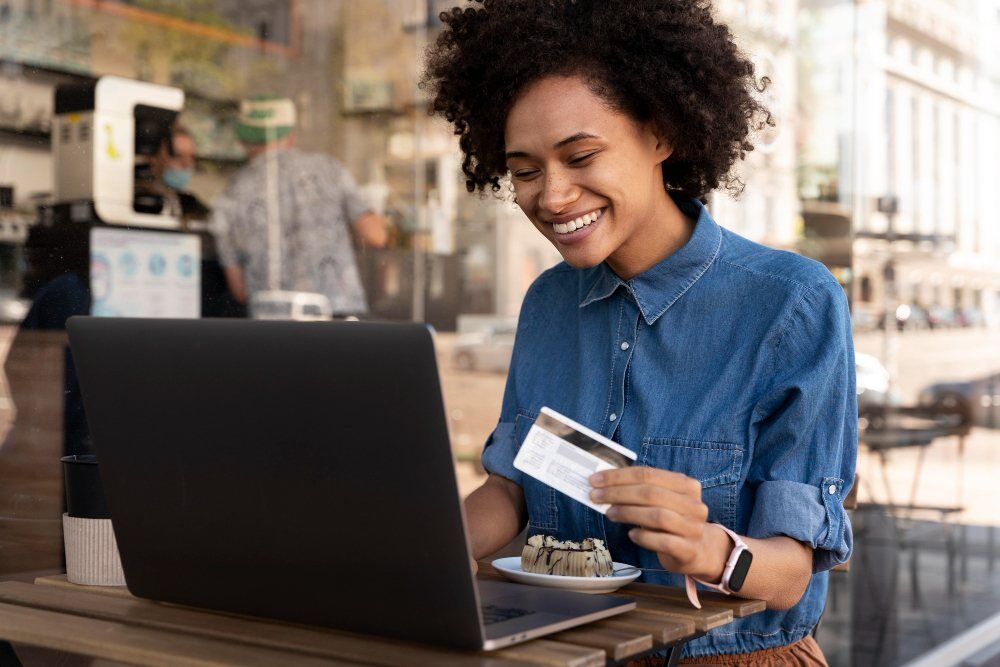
(91, 549)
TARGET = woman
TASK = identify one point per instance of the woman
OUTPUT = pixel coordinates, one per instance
(726, 366)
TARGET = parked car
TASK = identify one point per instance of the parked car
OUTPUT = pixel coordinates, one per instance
(940, 317)
(281, 305)
(978, 401)
(489, 349)
(970, 317)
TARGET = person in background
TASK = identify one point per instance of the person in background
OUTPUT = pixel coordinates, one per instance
(171, 169)
(306, 203)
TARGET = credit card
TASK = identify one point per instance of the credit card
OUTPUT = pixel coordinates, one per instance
(564, 454)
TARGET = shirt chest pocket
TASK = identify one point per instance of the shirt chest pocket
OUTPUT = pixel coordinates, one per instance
(717, 465)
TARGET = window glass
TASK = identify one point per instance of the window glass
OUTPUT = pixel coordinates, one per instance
(133, 183)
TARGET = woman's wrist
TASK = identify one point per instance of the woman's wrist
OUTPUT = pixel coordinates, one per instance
(716, 547)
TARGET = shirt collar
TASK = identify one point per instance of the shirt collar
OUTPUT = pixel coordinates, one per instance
(658, 287)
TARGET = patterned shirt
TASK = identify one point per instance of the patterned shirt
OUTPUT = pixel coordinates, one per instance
(317, 202)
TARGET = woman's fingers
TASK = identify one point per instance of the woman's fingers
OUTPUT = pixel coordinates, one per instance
(665, 506)
(635, 494)
(674, 551)
(651, 496)
(644, 476)
(657, 518)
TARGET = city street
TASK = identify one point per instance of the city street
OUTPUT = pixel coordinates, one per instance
(472, 400)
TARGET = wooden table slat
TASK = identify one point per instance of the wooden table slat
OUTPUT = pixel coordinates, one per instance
(618, 644)
(664, 629)
(218, 626)
(704, 619)
(555, 654)
(740, 607)
(60, 581)
(137, 645)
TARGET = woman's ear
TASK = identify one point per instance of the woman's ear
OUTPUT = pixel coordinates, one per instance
(663, 147)
(657, 141)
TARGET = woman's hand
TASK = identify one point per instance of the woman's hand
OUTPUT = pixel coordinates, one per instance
(669, 516)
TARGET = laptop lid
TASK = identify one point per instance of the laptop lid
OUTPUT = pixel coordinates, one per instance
(299, 471)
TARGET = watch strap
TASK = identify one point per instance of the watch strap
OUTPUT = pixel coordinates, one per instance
(739, 546)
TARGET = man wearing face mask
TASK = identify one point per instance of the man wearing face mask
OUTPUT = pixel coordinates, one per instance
(171, 169)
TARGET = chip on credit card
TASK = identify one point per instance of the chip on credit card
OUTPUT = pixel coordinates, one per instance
(564, 454)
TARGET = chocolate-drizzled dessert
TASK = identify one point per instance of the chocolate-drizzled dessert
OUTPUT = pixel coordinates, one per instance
(544, 554)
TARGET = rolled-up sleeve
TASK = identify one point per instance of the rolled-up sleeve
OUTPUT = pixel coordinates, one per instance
(501, 448)
(804, 430)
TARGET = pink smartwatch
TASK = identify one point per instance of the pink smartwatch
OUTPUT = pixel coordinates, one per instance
(733, 575)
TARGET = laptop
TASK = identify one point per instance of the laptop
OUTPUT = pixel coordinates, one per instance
(298, 471)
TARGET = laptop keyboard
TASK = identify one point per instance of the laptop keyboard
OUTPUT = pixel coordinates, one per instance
(495, 614)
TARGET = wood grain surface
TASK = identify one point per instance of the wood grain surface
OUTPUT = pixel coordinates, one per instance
(554, 654)
(664, 629)
(617, 643)
(740, 607)
(663, 618)
(132, 644)
(265, 634)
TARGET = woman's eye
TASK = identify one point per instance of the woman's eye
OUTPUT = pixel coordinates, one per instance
(580, 159)
(525, 174)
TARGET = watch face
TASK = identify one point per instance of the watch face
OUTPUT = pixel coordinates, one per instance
(739, 574)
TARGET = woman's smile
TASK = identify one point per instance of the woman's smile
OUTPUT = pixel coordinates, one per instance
(570, 229)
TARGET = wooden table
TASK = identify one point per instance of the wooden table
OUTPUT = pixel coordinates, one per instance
(110, 623)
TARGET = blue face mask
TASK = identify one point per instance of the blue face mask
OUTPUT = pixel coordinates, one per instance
(177, 179)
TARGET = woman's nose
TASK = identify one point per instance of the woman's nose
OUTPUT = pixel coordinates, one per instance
(558, 193)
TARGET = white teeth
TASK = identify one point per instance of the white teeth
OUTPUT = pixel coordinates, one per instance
(579, 223)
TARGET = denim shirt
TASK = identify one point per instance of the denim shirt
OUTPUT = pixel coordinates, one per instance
(728, 361)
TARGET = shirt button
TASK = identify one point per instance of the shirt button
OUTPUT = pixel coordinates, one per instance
(832, 489)
(613, 416)
(625, 345)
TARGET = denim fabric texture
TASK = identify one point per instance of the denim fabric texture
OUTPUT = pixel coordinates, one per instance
(728, 361)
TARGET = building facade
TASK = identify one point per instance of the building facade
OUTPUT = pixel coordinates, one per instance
(916, 168)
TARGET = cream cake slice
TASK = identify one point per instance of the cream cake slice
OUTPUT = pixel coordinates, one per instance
(544, 554)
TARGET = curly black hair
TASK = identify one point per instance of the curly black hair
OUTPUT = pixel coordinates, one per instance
(664, 61)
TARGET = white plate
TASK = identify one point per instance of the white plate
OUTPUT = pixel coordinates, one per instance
(624, 574)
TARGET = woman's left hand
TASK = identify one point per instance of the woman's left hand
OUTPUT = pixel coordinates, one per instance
(669, 516)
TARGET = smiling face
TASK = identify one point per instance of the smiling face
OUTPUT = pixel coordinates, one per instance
(589, 177)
